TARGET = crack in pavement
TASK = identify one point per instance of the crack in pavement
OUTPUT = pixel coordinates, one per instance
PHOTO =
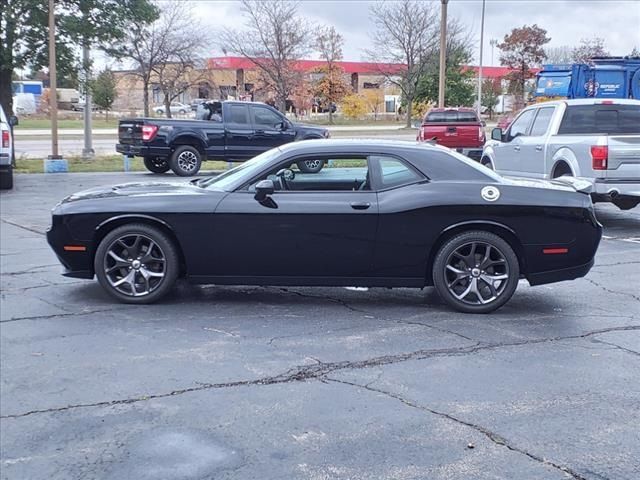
(316, 371)
(55, 315)
(628, 350)
(24, 227)
(439, 329)
(608, 290)
(30, 270)
(325, 297)
(491, 435)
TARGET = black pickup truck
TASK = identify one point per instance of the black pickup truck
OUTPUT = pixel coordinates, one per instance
(242, 131)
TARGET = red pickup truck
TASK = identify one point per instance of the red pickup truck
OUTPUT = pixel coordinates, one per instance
(457, 128)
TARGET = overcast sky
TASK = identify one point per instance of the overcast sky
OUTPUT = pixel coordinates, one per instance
(566, 21)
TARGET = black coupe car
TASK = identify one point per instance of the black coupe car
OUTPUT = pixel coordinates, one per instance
(380, 214)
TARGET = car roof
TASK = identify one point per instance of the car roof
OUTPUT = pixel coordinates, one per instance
(353, 145)
(451, 109)
(588, 101)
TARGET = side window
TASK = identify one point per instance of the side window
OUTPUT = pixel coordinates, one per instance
(338, 175)
(542, 121)
(394, 172)
(238, 114)
(521, 124)
(265, 117)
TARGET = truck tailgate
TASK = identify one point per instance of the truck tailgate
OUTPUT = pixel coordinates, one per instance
(453, 136)
(130, 132)
(624, 157)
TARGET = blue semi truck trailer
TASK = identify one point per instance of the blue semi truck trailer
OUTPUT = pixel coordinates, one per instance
(605, 77)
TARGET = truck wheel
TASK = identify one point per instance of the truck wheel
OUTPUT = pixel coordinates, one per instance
(156, 164)
(6, 178)
(310, 166)
(486, 162)
(185, 161)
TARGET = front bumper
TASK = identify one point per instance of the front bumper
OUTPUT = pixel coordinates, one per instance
(142, 150)
(75, 264)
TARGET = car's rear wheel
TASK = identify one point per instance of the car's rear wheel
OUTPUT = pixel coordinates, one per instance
(476, 272)
(310, 166)
(486, 162)
(159, 111)
(156, 164)
(136, 263)
(185, 161)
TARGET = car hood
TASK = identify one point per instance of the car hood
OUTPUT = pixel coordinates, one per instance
(136, 189)
(310, 128)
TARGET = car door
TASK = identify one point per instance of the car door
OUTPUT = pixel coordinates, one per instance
(324, 227)
(533, 145)
(507, 153)
(270, 128)
(239, 133)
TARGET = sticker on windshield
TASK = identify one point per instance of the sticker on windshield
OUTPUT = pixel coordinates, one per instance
(490, 194)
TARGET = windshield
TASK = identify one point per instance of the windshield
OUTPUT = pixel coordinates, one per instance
(243, 172)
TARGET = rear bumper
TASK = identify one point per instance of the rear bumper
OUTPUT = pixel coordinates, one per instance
(559, 275)
(472, 153)
(605, 187)
(142, 150)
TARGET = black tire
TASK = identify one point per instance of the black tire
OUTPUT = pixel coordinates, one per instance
(474, 270)
(560, 170)
(6, 178)
(310, 166)
(182, 112)
(185, 161)
(486, 162)
(159, 111)
(156, 164)
(104, 262)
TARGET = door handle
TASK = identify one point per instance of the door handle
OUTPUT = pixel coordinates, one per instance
(259, 131)
(538, 148)
(360, 205)
(516, 148)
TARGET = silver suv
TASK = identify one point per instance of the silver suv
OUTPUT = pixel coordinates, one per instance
(6, 150)
(594, 139)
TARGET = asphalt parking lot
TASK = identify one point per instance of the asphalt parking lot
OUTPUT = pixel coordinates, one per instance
(312, 383)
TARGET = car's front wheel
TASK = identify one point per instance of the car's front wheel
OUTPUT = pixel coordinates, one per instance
(185, 161)
(156, 164)
(476, 272)
(136, 263)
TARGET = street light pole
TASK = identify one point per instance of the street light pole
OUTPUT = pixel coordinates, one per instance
(53, 92)
(480, 69)
(493, 42)
(443, 52)
(87, 151)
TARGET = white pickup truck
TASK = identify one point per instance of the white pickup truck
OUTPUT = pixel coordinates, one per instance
(593, 139)
(6, 150)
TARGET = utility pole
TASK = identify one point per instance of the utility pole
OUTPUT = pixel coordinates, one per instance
(480, 69)
(53, 92)
(443, 52)
(87, 151)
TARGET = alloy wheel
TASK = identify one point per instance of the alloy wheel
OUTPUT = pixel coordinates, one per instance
(187, 161)
(476, 273)
(134, 265)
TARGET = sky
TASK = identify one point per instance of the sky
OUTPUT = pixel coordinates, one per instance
(566, 21)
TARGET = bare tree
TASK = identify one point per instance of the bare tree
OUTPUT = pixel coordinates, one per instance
(559, 55)
(406, 33)
(181, 66)
(274, 38)
(588, 49)
(164, 50)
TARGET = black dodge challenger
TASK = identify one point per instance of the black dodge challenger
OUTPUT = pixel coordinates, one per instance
(380, 214)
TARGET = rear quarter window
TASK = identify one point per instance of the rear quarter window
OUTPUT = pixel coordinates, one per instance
(601, 119)
(451, 117)
(440, 165)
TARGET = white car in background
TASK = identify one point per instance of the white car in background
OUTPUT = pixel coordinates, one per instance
(595, 139)
(6, 150)
(176, 107)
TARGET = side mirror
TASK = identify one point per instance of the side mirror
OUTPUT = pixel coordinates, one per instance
(496, 134)
(284, 125)
(264, 188)
(13, 120)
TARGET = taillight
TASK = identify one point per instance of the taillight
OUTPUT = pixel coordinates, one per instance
(599, 157)
(481, 134)
(148, 132)
(5, 138)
